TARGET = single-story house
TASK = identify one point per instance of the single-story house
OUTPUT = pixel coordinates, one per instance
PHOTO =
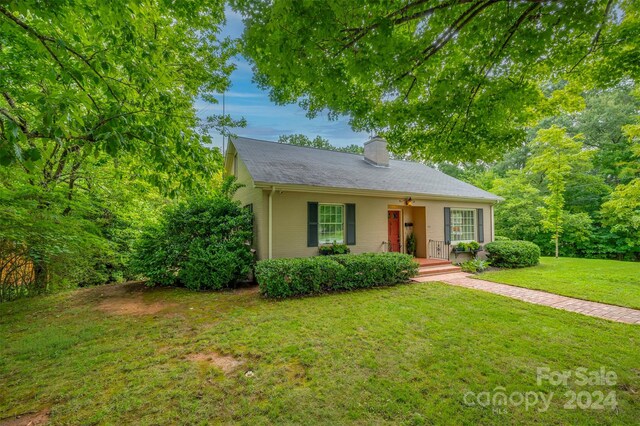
(303, 197)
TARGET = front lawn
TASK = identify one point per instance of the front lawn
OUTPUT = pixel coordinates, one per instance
(406, 354)
(607, 281)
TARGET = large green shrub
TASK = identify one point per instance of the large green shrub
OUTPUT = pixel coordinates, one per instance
(280, 278)
(202, 244)
(512, 254)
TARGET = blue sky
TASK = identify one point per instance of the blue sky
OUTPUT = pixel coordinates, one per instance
(266, 120)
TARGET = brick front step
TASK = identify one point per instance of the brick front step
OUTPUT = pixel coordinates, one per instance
(446, 268)
(432, 262)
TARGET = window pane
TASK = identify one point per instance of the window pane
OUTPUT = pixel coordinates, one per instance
(331, 225)
(463, 225)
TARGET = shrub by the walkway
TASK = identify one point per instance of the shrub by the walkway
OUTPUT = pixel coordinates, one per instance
(280, 278)
(512, 254)
(201, 245)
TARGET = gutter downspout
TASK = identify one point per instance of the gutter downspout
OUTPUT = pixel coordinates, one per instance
(493, 231)
(273, 189)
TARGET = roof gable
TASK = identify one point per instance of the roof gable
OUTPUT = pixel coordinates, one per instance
(277, 163)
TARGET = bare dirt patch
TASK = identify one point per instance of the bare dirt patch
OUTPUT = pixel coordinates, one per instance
(249, 290)
(127, 299)
(28, 419)
(226, 363)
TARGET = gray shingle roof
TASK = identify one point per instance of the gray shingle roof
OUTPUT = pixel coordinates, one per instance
(276, 163)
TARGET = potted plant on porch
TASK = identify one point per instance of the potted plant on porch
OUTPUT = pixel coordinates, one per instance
(411, 244)
(472, 247)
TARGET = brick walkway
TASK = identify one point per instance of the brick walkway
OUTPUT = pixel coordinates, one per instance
(593, 309)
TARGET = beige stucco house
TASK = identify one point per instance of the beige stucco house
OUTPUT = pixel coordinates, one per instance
(305, 197)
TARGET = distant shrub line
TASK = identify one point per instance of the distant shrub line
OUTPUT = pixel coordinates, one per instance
(281, 278)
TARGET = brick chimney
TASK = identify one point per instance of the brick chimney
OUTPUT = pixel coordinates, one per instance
(375, 152)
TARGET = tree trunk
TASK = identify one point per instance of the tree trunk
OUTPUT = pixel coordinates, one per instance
(557, 246)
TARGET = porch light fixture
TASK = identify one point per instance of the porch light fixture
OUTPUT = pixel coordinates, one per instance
(408, 201)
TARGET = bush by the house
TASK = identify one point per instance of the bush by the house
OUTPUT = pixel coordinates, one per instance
(335, 248)
(474, 265)
(512, 254)
(202, 245)
(280, 278)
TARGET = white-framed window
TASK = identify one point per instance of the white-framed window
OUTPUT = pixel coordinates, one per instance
(463, 225)
(331, 223)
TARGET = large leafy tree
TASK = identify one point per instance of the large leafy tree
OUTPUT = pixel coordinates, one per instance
(96, 105)
(450, 79)
(78, 79)
(556, 157)
(518, 216)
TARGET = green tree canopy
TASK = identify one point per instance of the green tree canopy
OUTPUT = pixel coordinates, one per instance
(445, 80)
(97, 126)
(81, 78)
(518, 216)
(622, 210)
(556, 157)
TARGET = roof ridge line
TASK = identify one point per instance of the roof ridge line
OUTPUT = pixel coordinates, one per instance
(300, 146)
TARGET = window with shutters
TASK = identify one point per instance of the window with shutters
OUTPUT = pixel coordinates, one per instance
(463, 225)
(331, 223)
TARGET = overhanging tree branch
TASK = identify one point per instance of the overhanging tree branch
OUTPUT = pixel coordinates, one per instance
(596, 37)
(44, 39)
(495, 54)
(446, 36)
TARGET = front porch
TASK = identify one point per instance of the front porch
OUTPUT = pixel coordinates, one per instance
(404, 221)
(430, 267)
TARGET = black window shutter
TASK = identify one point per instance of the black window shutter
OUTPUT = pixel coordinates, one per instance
(351, 224)
(480, 226)
(447, 225)
(312, 224)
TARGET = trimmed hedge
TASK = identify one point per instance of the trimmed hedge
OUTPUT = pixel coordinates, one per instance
(281, 278)
(512, 254)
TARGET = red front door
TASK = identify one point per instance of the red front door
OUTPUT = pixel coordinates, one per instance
(394, 230)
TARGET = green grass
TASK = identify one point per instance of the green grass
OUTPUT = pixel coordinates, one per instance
(607, 281)
(399, 355)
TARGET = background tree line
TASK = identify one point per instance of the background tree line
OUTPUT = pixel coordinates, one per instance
(575, 177)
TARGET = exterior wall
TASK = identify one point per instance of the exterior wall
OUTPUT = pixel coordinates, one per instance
(419, 218)
(290, 221)
(248, 194)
